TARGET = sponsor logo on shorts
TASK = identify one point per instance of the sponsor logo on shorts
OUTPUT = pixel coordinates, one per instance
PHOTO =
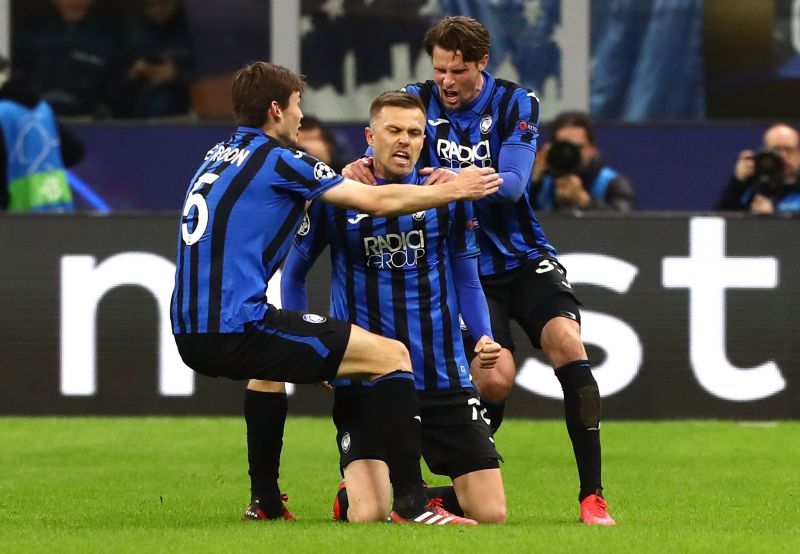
(346, 443)
(314, 318)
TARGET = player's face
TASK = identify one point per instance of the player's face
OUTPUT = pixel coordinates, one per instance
(288, 127)
(396, 136)
(459, 82)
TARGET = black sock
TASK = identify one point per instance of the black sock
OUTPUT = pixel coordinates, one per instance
(397, 409)
(448, 498)
(582, 414)
(495, 412)
(265, 415)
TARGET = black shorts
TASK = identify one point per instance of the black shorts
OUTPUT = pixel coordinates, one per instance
(532, 294)
(456, 439)
(285, 345)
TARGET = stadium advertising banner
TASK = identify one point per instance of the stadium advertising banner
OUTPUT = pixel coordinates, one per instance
(684, 316)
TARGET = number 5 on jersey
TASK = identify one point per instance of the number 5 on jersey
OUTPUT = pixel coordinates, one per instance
(196, 200)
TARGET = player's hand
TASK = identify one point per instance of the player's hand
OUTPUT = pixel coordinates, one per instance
(569, 192)
(360, 170)
(437, 175)
(761, 205)
(326, 385)
(473, 183)
(488, 352)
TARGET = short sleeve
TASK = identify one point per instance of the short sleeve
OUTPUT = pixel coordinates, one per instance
(299, 173)
(522, 119)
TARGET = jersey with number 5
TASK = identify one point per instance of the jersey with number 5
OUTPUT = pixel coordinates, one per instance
(239, 218)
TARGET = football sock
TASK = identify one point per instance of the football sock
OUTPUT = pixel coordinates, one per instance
(582, 414)
(448, 497)
(495, 412)
(397, 410)
(265, 415)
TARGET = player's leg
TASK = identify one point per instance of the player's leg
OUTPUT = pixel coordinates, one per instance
(457, 442)
(482, 496)
(551, 318)
(369, 491)
(562, 343)
(265, 408)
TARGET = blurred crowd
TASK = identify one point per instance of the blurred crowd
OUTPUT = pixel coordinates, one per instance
(84, 66)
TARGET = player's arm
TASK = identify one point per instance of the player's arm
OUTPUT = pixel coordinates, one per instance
(518, 146)
(308, 244)
(515, 167)
(474, 310)
(472, 183)
(293, 281)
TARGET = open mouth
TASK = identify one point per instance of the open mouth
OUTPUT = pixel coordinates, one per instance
(450, 95)
(402, 157)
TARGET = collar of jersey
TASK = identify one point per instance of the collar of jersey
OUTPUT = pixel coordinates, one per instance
(411, 178)
(255, 130)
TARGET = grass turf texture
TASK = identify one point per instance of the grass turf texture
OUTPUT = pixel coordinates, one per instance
(180, 485)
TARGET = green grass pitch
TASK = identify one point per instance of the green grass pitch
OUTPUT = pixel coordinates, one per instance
(180, 485)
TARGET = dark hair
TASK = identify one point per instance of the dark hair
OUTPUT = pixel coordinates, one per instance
(574, 119)
(459, 33)
(396, 99)
(257, 85)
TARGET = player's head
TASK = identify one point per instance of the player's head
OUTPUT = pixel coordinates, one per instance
(396, 133)
(459, 49)
(72, 11)
(576, 127)
(267, 96)
(785, 140)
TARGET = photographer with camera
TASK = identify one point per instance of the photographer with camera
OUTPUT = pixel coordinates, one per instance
(768, 180)
(570, 174)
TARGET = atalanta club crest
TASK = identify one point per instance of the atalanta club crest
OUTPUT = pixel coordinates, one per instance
(305, 226)
(314, 318)
(486, 123)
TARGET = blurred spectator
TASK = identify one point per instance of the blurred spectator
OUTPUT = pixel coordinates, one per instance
(69, 57)
(34, 149)
(158, 63)
(766, 181)
(570, 174)
(317, 139)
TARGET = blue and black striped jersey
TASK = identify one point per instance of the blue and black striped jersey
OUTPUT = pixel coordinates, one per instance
(504, 114)
(393, 276)
(241, 212)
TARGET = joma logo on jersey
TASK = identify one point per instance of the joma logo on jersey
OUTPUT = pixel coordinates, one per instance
(395, 250)
(452, 154)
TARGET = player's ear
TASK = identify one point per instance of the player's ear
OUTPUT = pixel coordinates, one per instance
(483, 62)
(368, 135)
(275, 110)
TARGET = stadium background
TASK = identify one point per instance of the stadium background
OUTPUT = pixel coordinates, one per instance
(678, 87)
